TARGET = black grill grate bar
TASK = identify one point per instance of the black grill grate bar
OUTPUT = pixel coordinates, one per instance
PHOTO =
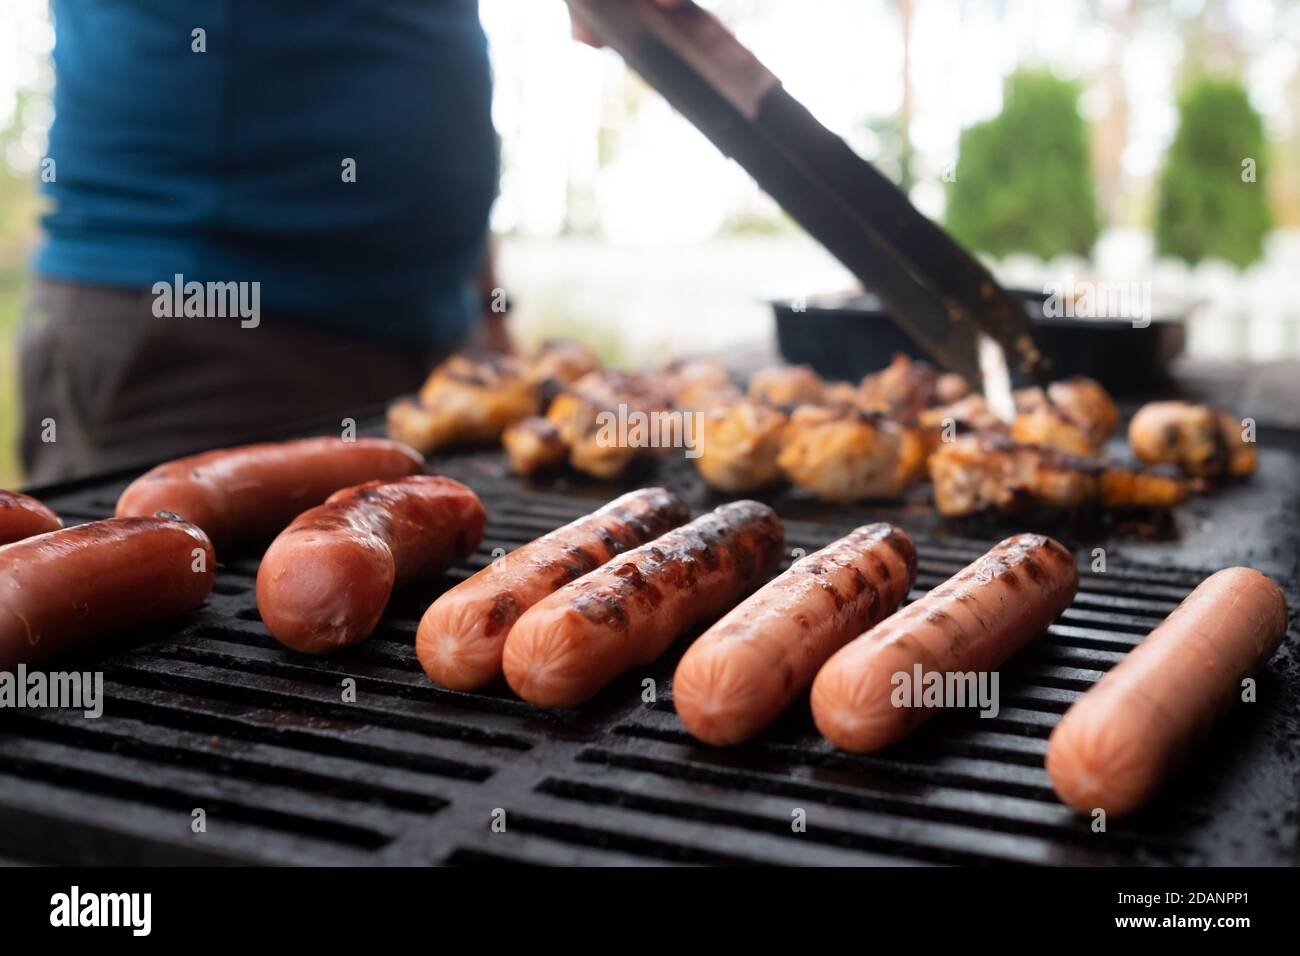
(188, 677)
(931, 840)
(986, 776)
(347, 822)
(407, 685)
(229, 757)
(304, 733)
(885, 800)
(113, 830)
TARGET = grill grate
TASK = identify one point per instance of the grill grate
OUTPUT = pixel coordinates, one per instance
(211, 713)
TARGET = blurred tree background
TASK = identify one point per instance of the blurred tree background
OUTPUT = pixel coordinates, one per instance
(19, 207)
(1213, 198)
(1023, 179)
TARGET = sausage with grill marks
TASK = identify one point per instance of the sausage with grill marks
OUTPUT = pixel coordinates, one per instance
(568, 646)
(463, 633)
(747, 668)
(1119, 742)
(249, 493)
(325, 581)
(971, 623)
(22, 516)
(64, 589)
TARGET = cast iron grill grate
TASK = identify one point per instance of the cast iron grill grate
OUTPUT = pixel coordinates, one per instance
(209, 713)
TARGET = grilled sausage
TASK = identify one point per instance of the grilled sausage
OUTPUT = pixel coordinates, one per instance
(69, 587)
(568, 646)
(21, 517)
(463, 633)
(325, 581)
(747, 668)
(251, 492)
(971, 623)
(1122, 739)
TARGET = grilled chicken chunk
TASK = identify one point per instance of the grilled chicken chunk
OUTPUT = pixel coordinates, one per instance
(904, 388)
(969, 414)
(739, 447)
(562, 361)
(467, 400)
(534, 444)
(1049, 427)
(463, 401)
(787, 385)
(1076, 415)
(989, 472)
(698, 384)
(850, 455)
(1200, 440)
(576, 428)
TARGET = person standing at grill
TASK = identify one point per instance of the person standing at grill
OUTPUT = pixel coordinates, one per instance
(263, 214)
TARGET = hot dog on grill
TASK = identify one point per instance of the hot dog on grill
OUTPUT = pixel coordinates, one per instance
(746, 669)
(22, 516)
(1114, 748)
(463, 633)
(325, 581)
(569, 645)
(251, 492)
(66, 588)
(971, 623)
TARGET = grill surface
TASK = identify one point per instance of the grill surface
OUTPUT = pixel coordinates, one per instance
(211, 713)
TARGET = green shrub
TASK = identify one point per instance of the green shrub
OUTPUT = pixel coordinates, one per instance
(1207, 206)
(1023, 180)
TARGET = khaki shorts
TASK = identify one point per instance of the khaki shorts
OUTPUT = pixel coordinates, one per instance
(106, 385)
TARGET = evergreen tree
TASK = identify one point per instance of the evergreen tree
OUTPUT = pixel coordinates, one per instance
(1213, 201)
(1023, 181)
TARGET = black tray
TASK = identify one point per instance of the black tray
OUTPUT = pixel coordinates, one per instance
(847, 336)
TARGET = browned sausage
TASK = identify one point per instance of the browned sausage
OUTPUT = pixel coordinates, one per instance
(250, 493)
(1114, 748)
(22, 516)
(747, 668)
(325, 581)
(66, 588)
(463, 633)
(969, 624)
(568, 646)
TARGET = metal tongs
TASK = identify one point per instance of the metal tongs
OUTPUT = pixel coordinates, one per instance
(933, 288)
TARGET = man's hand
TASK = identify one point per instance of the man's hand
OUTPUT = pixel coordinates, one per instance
(583, 35)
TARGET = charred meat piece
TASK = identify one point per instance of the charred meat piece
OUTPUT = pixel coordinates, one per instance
(906, 387)
(787, 385)
(534, 444)
(969, 414)
(465, 400)
(698, 384)
(1078, 402)
(1049, 427)
(850, 455)
(1198, 439)
(579, 426)
(989, 472)
(562, 362)
(739, 447)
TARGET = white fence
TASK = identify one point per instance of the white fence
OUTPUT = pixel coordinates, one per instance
(657, 299)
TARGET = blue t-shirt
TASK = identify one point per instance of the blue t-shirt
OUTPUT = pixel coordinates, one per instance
(229, 164)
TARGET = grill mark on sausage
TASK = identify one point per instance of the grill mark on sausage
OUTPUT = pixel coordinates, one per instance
(741, 537)
(505, 611)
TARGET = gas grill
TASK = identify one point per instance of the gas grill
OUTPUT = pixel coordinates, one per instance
(357, 758)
